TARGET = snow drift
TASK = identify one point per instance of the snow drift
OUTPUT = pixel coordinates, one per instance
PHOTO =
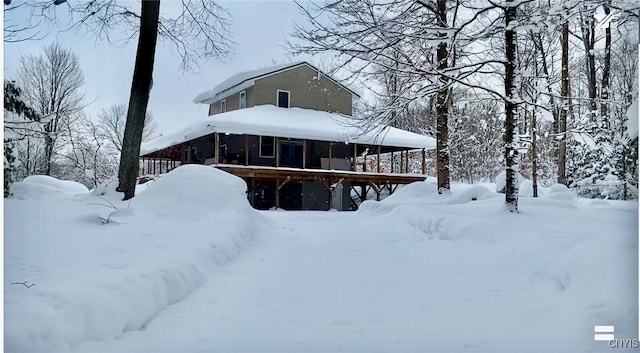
(558, 249)
(102, 267)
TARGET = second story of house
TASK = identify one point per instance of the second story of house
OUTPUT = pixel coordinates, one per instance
(298, 84)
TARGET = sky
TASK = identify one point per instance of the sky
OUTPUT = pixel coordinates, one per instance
(259, 29)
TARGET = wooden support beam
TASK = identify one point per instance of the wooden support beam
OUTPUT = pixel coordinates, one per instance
(375, 188)
(286, 180)
(304, 154)
(378, 167)
(401, 161)
(355, 189)
(424, 161)
(216, 148)
(246, 149)
(277, 193)
(354, 164)
(276, 142)
(330, 155)
(154, 166)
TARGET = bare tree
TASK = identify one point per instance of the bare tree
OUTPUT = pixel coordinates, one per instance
(16, 31)
(88, 157)
(111, 124)
(51, 84)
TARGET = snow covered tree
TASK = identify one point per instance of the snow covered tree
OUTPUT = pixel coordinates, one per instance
(409, 45)
(20, 122)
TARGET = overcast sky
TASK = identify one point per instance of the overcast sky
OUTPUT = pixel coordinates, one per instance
(258, 27)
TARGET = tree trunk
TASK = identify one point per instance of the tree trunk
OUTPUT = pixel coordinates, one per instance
(442, 106)
(140, 89)
(48, 151)
(588, 40)
(562, 121)
(534, 153)
(510, 151)
(606, 71)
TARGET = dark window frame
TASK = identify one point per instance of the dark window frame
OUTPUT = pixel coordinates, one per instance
(278, 98)
(273, 146)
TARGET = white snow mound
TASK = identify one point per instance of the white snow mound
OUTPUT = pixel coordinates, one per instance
(560, 192)
(42, 186)
(97, 280)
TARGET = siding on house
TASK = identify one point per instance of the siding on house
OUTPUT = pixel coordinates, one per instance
(308, 89)
(233, 102)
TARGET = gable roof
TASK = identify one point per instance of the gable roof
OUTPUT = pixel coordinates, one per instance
(269, 120)
(246, 79)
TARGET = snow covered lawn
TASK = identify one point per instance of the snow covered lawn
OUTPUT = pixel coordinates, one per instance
(199, 271)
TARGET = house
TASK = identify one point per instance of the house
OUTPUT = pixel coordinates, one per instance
(287, 131)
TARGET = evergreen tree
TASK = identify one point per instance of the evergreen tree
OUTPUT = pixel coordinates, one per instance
(20, 122)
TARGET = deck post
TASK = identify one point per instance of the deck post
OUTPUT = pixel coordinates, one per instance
(216, 148)
(378, 158)
(277, 193)
(364, 160)
(424, 162)
(154, 166)
(401, 161)
(354, 164)
(246, 149)
(330, 155)
(392, 163)
(406, 161)
(276, 141)
(304, 154)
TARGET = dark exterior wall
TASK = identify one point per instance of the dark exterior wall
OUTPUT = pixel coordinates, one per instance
(316, 150)
(233, 102)
(308, 89)
(314, 196)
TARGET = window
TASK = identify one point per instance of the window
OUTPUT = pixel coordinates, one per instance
(243, 100)
(267, 146)
(223, 106)
(283, 99)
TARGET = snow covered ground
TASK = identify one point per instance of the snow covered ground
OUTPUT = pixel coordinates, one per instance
(187, 266)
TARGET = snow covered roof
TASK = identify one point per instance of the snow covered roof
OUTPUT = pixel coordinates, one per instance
(268, 120)
(246, 79)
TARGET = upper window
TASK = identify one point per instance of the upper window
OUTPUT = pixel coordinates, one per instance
(223, 106)
(243, 100)
(283, 99)
(267, 146)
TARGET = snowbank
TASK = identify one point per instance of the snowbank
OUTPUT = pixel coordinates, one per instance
(102, 267)
(43, 186)
(554, 270)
